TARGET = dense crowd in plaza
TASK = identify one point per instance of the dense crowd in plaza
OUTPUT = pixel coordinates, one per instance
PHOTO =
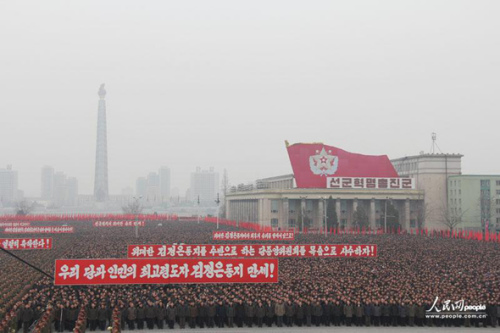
(395, 288)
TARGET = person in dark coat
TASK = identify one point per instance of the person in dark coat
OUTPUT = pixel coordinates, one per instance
(27, 317)
(171, 312)
(348, 312)
(92, 315)
(359, 312)
(220, 314)
(211, 312)
(161, 312)
(420, 315)
(249, 313)
(289, 313)
(230, 313)
(182, 311)
(260, 313)
(394, 314)
(403, 314)
(202, 314)
(193, 314)
(71, 317)
(368, 314)
(299, 314)
(308, 309)
(386, 314)
(240, 313)
(102, 316)
(141, 316)
(150, 314)
(337, 313)
(131, 316)
(269, 313)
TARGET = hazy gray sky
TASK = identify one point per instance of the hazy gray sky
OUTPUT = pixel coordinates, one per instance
(224, 83)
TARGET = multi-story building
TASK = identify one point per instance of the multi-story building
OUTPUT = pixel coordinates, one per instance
(431, 173)
(141, 187)
(204, 185)
(164, 174)
(474, 201)
(8, 186)
(354, 182)
(47, 183)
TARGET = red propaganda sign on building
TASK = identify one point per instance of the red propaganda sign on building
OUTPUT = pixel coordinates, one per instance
(39, 230)
(26, 243)
(162, 271)
(253, 235)
(313, 163)
(373, 183)
(252, 250)
(118, 223)
(15, 224)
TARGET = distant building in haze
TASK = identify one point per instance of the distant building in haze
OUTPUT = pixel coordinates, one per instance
(204, 184)
(47, 191)
(8, 186)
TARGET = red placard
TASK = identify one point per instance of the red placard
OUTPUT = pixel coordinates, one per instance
(312, 163)
(39, 230)
(15, 224)
(253, 235)
(163, 271)
(119, 223)
(252, 250)
(26, 243)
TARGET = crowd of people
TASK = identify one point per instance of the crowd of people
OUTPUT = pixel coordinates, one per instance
(395, 288)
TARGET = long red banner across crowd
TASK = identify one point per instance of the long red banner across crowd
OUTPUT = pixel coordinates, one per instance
(252, 250)
(160, 271)
(26, 243)
(253, 235)
(39, 230)
(119, 223)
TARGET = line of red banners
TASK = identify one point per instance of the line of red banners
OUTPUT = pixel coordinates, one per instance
(163, 271)
(251, 250)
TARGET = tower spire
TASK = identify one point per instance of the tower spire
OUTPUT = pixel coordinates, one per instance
(101, 156)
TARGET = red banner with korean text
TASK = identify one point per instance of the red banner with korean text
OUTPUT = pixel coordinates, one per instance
(118, 223)
(39, 230)
(14, 224)
(253, 235)
(312, 163)
(26, 243)
(163, 271)
(252, 250)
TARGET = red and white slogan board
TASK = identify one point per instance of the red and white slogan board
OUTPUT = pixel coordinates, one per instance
(15, 224)
(253, 235)
(39, 230)
(162, 271)
(119, 223)
(26, 243)
(252, 251)
(375, 183)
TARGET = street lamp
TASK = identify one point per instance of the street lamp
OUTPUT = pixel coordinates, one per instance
(137, 205)
(217, 202)
(198, 209)
(324, 215)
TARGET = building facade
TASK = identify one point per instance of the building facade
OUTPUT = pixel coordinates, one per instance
(474, 201)
(322, 175)
(431, 173)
